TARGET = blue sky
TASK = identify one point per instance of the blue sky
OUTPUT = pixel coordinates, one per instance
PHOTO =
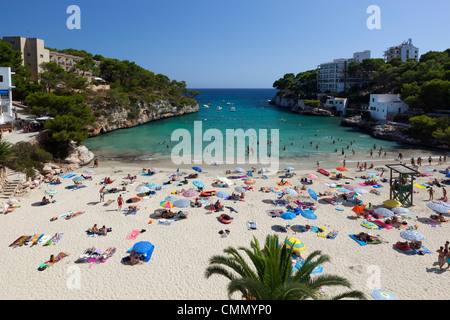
(232, 43)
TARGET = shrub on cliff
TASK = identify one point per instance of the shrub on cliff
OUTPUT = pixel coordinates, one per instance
(425, 128)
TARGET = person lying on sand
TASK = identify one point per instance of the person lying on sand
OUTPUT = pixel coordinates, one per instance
(362, 236)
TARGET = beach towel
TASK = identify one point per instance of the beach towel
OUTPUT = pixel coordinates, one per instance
(47, 264)
(362, 243)
(378, 186)
(55, 239)
(18, 241)
(67, 176)
(322, 234)
(164, 222)
(134, 234)
(44, 238)
(382, 224)
(332, 235)
(339, 209)
(420, 186)
(423, 250)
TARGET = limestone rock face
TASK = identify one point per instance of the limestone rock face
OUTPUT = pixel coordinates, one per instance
(78, 155)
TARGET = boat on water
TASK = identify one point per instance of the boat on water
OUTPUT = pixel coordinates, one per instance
(205, 106)
(219, 108)
(282, 119)
(233, 109)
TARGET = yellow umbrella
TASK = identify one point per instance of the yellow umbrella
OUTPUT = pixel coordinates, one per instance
(391, 203)
(296, 244)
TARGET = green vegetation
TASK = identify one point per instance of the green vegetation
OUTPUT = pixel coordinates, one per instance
(269, 277)
(74, 105)
(301, 86)
(425, 128)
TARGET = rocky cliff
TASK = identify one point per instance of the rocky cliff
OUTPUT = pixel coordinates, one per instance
(118, 117)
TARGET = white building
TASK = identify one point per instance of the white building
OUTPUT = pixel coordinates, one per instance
(333, 76)
(339, 103)
(385, 106)
(6, 94)
(404, 51)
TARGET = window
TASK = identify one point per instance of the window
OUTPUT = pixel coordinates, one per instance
(41, 55)
(1, 78)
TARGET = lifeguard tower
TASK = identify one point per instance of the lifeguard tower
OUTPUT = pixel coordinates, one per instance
(401, 183)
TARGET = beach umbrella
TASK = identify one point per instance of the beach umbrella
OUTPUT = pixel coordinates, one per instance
(382, 295)
(369, 225)
(290, 191)
(249, 173)
(308, 215)
(197, 169)
(142, 189)
(171, 198)
(350, 187)
(239, 169)
(412, 235)
(446, 204)
(154, 170)
(142, 247)
(198, 184)
(249, 181)
(288, 215)
(151, 185)
(392, 203)
(276, 190)
(384, 212)
(78, 179)
(318, 269)
(358, 209)
(295, 244)
(182, 203)
(167, 204)
(240, 189)
(225, 180)
(341, 169)
(190, 193)
(438, 207)
(89, 171)
(222, 194)
(289, 169)
(361, 191)
(311, 176)
(400, 210)
(51, 192)
(312, 194)
(447, 175)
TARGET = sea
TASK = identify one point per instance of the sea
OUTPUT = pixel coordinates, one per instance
(302, 139)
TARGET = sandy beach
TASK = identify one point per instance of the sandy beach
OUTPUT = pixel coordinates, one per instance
(183, 248)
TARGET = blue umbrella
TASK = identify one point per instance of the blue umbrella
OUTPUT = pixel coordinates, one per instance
(438, 207)
(447, 175)
(239, 169)
(309, 215)
(197, 169)
(182, 203)
(412, 235)
(171, 198)
(78, 179)
(289, 169)
(151, 185)
(240, 189)
(288, 215)
(142, 247)
(143, 189)
(198, 184)
(384, 212)
(290, 191)
(222, 194)
(312, 194)
(382, 295)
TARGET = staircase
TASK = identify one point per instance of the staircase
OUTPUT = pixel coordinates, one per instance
(10, 186)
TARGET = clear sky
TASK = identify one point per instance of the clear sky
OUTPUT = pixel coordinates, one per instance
(230, 43)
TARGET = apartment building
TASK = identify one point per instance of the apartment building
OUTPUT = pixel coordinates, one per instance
(333, 76)
(34, 53)
(6, 94)
(404, 51)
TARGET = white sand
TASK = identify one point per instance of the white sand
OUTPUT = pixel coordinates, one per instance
(183, 249)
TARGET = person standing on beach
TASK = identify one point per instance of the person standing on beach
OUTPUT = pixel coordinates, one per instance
(430, 160)
(119, 203)
(444, 195)
(95, 163)
(441, 257)
(431, 193)
(102, 194)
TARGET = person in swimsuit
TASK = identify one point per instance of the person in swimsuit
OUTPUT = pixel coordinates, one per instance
(119, 203)
(441, 257)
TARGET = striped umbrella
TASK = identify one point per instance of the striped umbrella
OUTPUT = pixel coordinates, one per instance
(295, 244)
(438, 207)
(190, 193)
(276, 190)
(198, 184)
(51, 191)
(166, 204)
(240, 189)
(350, 187)
(89, 171)
(400, 210)
(151, 185)
(445, 204)
(222, 194)
(384, 212)
(249, 181)
(412, 235)
(382, 295)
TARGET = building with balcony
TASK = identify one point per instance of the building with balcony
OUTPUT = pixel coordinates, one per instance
(6, 95)
(333, 76)
(404, 51)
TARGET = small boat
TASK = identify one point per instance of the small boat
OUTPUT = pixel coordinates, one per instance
(219, 108)
(233, 109)
(282, 119)
(205, 106)
(324, 172)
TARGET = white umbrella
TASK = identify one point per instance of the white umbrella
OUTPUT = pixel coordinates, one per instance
(225, 180)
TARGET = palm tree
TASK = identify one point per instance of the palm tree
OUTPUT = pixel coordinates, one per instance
(271, 277)
(5, 151)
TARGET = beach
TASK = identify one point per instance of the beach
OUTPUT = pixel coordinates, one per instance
(183, 247)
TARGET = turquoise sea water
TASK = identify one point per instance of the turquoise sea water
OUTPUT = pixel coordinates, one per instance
(300, 134)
